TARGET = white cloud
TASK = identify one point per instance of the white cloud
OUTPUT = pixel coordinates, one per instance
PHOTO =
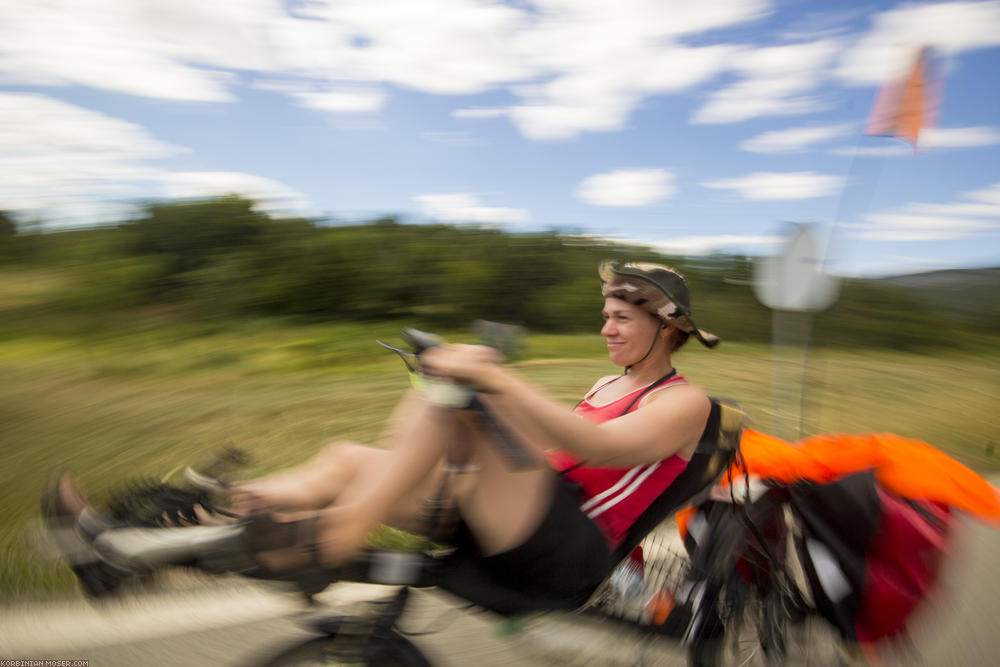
(922, 261)
(914, 227)
(890, 46)
(795, 139)
(627, 187)
(573, 66)
(343, 99)
(692, 245)
(436, 46)
(824, 23)
(978, 212)
(895, 265)
(894, 149)
(77, 166)
(269, 195)
(68, 162)
(32, 124)
(990, 195)
(599, 92)
(183, 50)
(593, 63)
(556, 121)
(706, 245)
(479, 113)
(192, 50)
(957, 209)
(776, 81)
(772, 185)
(930, 138)
(464, 207)
(959, 137)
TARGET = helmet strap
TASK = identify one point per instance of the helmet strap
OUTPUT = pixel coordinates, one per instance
(652, 345)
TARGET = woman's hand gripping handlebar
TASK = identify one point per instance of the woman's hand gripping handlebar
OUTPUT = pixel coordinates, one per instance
(448, 380)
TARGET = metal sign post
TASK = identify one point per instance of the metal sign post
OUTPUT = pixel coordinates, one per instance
(794, 285)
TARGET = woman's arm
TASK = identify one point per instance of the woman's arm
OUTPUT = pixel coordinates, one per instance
(658, 429)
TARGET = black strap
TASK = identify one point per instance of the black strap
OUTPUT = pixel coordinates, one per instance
(707, 462)
(673, 372)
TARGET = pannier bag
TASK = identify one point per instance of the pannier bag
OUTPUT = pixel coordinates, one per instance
(874, 514)
(869, 556)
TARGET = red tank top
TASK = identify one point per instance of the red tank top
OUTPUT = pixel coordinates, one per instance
(614, 498)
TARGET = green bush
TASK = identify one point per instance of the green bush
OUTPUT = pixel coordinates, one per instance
(222, 258)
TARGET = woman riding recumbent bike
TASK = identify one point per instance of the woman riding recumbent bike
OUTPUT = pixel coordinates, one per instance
(129, 545)
(631, 461)
(543, 537)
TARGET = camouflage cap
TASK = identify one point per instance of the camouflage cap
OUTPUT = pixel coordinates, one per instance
(657, 289)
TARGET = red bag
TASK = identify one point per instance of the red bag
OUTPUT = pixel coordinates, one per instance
(870, 556)
(902, 565)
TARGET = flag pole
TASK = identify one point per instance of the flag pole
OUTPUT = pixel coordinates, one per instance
(903, 107)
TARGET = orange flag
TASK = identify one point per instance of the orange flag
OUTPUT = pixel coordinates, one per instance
(904, 107)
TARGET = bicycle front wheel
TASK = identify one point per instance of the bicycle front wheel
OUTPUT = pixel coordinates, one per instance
(393, 650)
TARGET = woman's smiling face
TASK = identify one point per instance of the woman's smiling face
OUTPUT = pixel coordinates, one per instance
(629, 331)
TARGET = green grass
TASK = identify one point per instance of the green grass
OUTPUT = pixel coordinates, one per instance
(142, 395)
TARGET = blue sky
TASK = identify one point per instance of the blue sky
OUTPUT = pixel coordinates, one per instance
(690, 126)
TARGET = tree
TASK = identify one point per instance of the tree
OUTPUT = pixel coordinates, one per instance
(7, 227)
(185, 237)
(8, 230)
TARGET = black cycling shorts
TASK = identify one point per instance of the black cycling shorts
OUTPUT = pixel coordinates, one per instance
(567, 555)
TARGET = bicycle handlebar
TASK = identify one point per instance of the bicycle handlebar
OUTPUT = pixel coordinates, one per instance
(516, 454)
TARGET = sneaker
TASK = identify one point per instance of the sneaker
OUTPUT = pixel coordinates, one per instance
(74, 524)
(64, 502)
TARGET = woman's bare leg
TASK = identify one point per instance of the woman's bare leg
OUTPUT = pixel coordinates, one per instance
(367, 486)
(501, 506)
(318, 482)
(378, 486)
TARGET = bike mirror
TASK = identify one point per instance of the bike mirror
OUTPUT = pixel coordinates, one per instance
(420, 340)
(507, 338)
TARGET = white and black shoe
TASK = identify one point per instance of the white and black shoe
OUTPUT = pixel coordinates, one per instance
(74, 525)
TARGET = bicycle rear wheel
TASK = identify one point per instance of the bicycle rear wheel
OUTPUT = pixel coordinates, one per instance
(751, 611)
(751, 640)
(393, 650)
(746, 638)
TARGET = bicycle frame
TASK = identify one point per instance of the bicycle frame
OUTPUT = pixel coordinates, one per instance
(744, 558)
(743, 577)
(558, 635)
